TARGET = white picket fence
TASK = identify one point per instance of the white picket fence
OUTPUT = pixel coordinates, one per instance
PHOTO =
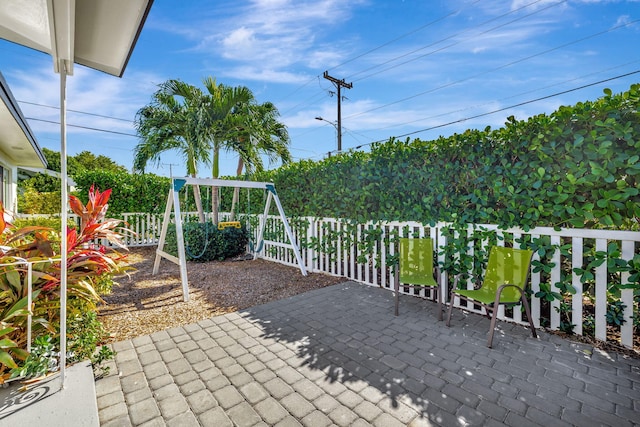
(367, 263)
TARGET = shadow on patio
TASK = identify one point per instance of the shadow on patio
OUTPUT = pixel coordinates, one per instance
(337, 355)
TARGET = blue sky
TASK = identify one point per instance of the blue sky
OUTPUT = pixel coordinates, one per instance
(414, 65)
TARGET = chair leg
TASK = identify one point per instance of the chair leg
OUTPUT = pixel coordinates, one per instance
(527, 311)
(492, 327)
(438, 295)
(397, 289)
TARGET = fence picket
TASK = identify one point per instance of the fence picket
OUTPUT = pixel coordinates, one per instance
(343, 261)
(601, 294)
(576, 299)
(555, 278)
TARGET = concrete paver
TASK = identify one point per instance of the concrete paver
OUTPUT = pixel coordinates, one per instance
(338, 356)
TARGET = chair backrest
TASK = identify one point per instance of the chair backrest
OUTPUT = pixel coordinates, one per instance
(507, 266)
(416, 261)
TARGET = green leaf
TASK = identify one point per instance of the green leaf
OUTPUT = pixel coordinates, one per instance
(7, 360)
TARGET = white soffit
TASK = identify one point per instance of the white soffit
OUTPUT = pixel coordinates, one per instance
(17, 142)
(99, 34)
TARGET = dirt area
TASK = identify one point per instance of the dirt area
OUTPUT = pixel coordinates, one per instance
(142, 304)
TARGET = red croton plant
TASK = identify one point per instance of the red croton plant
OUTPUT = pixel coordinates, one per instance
(87, 260)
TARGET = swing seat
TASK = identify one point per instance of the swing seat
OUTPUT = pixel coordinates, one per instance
(225, 224)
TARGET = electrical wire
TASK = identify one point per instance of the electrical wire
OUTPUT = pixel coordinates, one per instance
(497, 68)
(455, 43)
(314, 97)
(83, 127)
(76, 111)
(507, 98)
(504, 108)
(442, 18)
(415, 30)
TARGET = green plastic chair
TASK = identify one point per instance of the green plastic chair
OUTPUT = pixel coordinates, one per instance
(416, 269)
(504, 283)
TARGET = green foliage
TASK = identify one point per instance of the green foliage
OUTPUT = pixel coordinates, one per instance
(85, 161)
(42, 359)
(457, 260)
(615, 313)
(130, 192)
(87, 333)
(82, 161)
(577, 167)
(33, 202)
(204, 242)
(88, 265)
(40, 194)
(41, 183)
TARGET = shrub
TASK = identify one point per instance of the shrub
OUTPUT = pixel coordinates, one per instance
(130, 192)
(88, 265)
(35, 202)
(204, 242)
(576, 167)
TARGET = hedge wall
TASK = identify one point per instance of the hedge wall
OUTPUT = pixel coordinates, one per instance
(130, 192)
(577, 167)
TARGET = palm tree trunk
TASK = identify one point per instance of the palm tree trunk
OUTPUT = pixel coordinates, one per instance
(215, 173)
(215, 195)
(236, 190)
(198, 200)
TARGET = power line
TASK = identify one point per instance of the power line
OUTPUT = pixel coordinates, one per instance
(442, 18)
(313, 98)
(505, 108)
(497, 68)
(83, 127)
(508, 97)
(452, 36)
(76, 111)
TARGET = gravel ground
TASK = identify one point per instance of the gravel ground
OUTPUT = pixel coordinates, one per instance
(142, 303)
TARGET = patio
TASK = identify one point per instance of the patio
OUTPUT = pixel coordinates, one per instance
(338, 356)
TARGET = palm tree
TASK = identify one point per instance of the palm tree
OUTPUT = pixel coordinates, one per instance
(221, 98)
(253, 130)
(182, 117)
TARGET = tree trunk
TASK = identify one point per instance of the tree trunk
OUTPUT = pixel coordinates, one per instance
(215, 173)
(198, 200)
(236, 190)
(214, 204)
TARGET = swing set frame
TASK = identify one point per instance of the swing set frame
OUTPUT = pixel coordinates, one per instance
(173, 205)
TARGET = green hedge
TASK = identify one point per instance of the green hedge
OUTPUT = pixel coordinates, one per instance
(130, 192)
(577, 167)
(204, 242)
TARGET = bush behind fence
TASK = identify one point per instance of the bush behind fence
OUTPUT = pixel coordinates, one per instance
(582, 281)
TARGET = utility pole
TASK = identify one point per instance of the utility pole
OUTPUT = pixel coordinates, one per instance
(339, 84)
(170, 168)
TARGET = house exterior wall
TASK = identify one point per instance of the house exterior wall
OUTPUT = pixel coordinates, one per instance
(9, 187)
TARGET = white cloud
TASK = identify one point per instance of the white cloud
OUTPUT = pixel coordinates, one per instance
(272, 34)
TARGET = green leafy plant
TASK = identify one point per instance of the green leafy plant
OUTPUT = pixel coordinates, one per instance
(87, 263)
(576, 167)
(87, 333)
(42, 359)
(103, 354)
(204, 242)
(615, 313)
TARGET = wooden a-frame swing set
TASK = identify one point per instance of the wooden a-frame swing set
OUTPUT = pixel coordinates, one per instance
(173, 206)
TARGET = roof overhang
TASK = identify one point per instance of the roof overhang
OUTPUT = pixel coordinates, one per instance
(17, 142)
(99, 34)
